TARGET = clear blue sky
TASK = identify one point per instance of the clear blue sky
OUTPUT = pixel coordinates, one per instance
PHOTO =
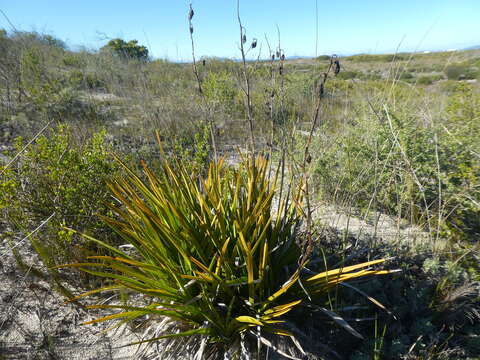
(345, 27)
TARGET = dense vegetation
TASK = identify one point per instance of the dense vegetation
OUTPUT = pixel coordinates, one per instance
(82, 173)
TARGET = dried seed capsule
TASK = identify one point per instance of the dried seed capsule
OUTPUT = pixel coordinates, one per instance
(244, 38)
(273, 57)
(190, 13)
(254, 43)
(336, 67)
(283, 57)
(191, 29)
(321, 90)
(204, 62)
(278, 54)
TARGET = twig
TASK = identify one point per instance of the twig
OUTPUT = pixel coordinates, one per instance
(25, 147)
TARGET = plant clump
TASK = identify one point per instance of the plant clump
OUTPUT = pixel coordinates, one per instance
(217, 258)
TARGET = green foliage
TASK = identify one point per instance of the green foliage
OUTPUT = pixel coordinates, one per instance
(405, 75)
(73, 60)
(127, 50)
(66, 106)
(461, 72)
(34, 75)
(423, 168)
(346, 75)
(7, 189)
(220, 88)
(400, 166)
(85, 80)
(428, 79)
(378, 58)
(34, 38)
(194, 155)
(434, 299)
(211, 256)
(53, 41)
(63, 182)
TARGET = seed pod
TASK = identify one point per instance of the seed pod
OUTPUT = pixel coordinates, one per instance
(273, 57)
(190, 13)
(254, 43)
(278, 54)
(191, 29)
(204, 62)
(336, 67)
(280, 69)
(244, 39)
(283, 57)
(308, 159)
(321, 90)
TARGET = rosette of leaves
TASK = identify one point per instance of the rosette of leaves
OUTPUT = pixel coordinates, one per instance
(216, 259)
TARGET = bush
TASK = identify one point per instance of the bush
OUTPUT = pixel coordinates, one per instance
(65, 183)
(377, 58)
(346, 75)
(405, 75)
(461, 72)
(127, 50)
(70, 59)
(429, 79)
(211, 257)
(425, 80)
(401, 174)
(220, 89)
(85, 80)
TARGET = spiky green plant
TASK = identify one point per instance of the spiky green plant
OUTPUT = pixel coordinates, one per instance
(217, 256)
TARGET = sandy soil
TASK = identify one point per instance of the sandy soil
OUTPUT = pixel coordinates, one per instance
(35, 323)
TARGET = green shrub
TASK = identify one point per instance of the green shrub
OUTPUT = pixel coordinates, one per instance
(211, 257)
(85, 80)
(398, 165)
(323, 57)
(56, 179)
(461, 72)
(377, 58)
(220, 89)
(70, 59)
(429, 79)
(127, 50)
(346, 75)
(34, 77)
(405, 75)
(425, 80)
(194, 153)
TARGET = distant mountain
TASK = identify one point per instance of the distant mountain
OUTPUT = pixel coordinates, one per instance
(296, 57)
(476, 47)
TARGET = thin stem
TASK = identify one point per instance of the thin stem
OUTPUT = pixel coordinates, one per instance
(247, 90)
(209, 119)
(306, 160)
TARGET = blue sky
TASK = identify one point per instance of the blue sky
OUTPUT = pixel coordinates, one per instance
(345, 27)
